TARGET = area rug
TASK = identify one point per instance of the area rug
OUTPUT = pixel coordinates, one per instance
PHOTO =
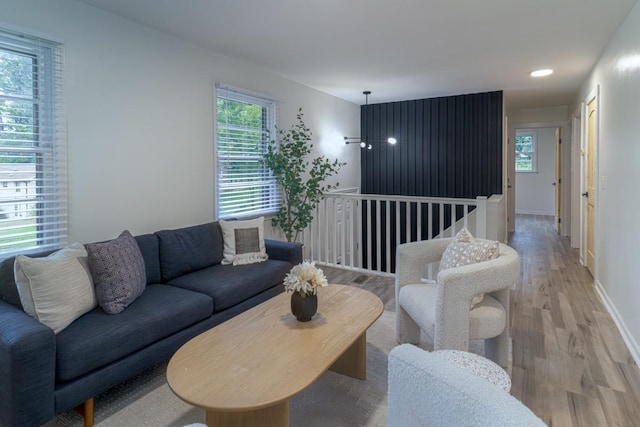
(333, 400)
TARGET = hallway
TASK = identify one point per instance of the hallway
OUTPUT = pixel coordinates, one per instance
(570, 364)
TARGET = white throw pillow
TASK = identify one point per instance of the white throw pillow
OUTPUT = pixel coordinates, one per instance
(464, 249)
(243, 241)
(57, 289)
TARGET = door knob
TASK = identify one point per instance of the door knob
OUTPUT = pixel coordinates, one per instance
(585, 194)
(553, 183)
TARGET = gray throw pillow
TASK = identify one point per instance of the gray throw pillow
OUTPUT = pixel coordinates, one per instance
(118, 272)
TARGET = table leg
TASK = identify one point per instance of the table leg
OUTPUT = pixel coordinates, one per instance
(271, 416)
(353, 362)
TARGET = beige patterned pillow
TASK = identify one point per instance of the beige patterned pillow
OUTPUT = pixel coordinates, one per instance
(464, 249)
(58, 289)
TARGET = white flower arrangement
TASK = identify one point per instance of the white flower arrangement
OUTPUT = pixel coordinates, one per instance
(305, 279)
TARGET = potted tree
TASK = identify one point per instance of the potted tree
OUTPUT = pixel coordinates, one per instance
(301, 180)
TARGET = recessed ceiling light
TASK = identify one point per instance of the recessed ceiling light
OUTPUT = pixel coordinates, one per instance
(541, 73)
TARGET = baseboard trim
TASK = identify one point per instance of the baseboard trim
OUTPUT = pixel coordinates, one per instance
(631, 343)
(534, 213)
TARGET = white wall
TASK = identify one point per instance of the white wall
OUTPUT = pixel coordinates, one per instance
(534, 192)
(139, 105)
(617, 228)
(539, 115)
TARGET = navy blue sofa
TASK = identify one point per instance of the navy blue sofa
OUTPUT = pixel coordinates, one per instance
(188, 291)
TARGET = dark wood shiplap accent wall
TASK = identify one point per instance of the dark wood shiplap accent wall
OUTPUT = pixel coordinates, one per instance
(447, 147)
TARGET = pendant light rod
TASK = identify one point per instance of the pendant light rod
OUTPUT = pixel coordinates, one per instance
(366, 94)
(365, 142)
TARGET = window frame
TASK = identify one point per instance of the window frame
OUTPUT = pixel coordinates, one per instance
(47, 205)
(270, 201)
(534, 150)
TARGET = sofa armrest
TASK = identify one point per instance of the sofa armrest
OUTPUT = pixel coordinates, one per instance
(27, 369)
(284, 251)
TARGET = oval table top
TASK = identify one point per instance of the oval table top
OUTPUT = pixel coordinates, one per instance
(264, 356)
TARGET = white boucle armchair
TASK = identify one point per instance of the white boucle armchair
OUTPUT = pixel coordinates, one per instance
(425, 389)
(441, 308)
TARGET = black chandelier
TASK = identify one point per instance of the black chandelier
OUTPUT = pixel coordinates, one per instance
(366, 142)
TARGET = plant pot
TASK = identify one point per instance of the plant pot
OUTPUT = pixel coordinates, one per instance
(303, 307)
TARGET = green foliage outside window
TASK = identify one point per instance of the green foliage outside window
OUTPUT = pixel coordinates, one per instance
(524, 153)
(18, 111)
(242, 136)
(17, 107)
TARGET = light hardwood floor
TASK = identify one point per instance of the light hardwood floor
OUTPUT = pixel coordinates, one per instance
(570, 364)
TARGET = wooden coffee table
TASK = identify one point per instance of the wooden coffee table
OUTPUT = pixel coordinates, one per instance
(244, 371)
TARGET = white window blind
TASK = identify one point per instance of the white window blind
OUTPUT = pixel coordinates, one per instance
(245, 123)
(33, 194)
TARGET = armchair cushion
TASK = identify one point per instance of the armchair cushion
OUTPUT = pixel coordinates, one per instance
(420, 302)
(487, 319)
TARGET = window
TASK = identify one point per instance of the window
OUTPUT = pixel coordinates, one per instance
(526, 151)
(32, 145)
(245, 123)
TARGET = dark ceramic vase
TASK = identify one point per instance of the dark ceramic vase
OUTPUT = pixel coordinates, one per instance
(303, 307)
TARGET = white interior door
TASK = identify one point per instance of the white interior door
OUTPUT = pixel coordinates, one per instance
(508, 166)
(558, 180)
(590, 195)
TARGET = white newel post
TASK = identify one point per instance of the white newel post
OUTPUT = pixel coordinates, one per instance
(481, 217)
(496, 218)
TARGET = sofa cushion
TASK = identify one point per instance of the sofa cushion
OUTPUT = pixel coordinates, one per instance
(229, 285)
(57, 289)
(189, 249)
(150, 250)
(118, 272)
(97, 338)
